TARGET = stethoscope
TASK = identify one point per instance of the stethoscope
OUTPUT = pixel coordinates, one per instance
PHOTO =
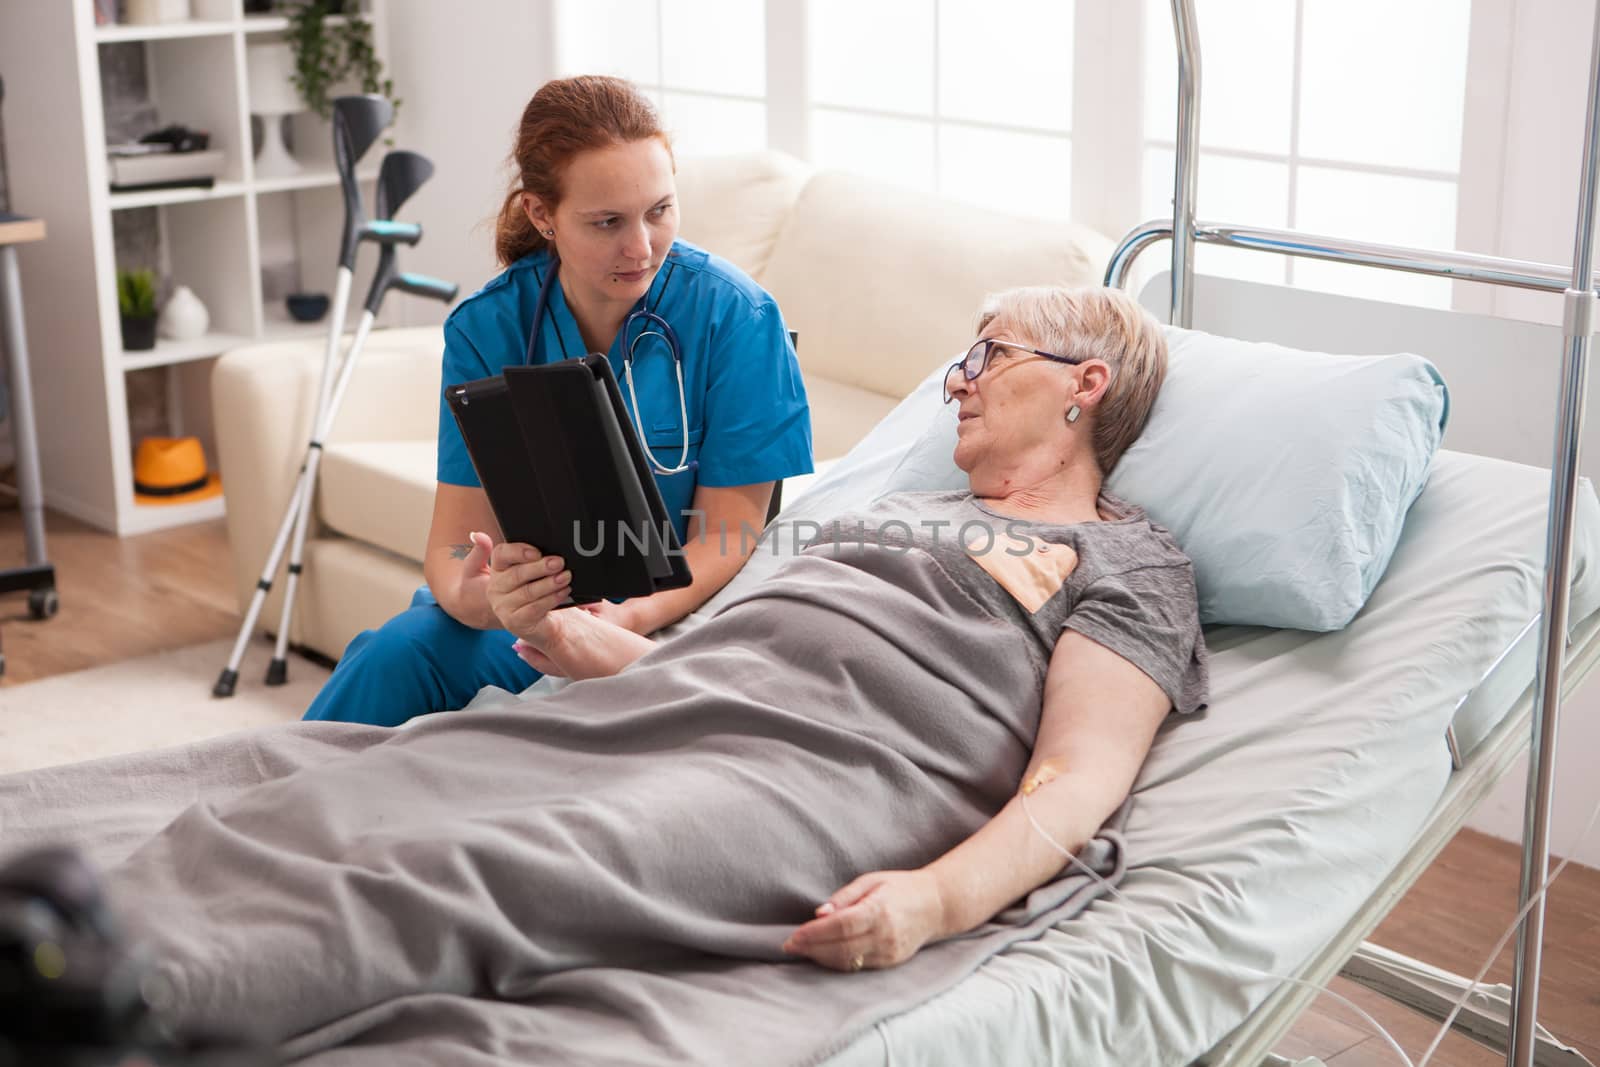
(653, 325)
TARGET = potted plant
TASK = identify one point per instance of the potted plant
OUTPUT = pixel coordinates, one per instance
(327, 53)
(136, 297)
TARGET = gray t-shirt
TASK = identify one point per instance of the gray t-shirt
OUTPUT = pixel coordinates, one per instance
(1121, 582)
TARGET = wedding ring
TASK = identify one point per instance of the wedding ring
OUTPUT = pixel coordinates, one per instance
(857, 962)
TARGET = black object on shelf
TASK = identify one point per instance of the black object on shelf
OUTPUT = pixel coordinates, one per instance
(307, 307)
(176, 183)
(181, 138)
(138, 335)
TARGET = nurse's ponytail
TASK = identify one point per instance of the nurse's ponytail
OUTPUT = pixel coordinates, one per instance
(566, 117)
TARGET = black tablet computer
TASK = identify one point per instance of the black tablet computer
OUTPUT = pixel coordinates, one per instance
(564, 471)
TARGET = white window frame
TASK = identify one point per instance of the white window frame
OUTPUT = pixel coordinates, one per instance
(1107, 135)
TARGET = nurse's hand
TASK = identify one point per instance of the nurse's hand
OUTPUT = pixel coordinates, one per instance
(471, 580)
(524, 586)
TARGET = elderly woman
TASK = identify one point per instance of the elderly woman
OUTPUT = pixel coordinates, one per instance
(829, 768)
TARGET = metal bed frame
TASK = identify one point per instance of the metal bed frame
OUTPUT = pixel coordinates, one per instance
(1420, 987)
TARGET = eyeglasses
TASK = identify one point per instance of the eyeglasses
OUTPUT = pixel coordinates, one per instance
(977, 358)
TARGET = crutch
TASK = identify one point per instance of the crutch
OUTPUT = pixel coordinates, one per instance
(358, 121)
(401, 174)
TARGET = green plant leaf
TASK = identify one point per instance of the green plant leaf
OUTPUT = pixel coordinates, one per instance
(325, 55)
(136, 293)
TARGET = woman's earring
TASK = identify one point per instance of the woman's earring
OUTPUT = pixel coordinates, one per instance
(549, 233)
(1073, 412)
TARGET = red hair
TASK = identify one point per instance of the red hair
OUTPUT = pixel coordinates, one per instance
(565, 117)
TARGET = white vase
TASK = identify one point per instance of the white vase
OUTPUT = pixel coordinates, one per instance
(184, 318)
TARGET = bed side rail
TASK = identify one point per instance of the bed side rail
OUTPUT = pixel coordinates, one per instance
(1459, 266)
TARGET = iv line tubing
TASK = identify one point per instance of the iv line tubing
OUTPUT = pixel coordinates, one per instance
(1387, 1037)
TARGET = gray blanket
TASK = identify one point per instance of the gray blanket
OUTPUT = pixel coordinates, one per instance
(604, 875)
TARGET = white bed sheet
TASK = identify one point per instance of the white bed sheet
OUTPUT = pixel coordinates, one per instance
(1260, 828)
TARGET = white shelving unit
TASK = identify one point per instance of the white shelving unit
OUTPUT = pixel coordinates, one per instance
(215, 240)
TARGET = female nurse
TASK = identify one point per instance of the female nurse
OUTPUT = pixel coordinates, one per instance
(594, 194)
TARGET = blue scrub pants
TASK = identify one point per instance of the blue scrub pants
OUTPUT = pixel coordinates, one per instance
(420, 661)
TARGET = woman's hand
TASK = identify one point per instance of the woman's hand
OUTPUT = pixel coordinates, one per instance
(621, 614)
(580, 644)
(470, 583)
(524, 585)
(879, 920)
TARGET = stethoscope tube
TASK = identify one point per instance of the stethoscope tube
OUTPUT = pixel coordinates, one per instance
(654, 326)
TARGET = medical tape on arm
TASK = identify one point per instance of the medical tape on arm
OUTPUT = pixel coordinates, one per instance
(1038, 780)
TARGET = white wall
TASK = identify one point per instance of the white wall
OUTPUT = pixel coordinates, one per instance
(464, 72)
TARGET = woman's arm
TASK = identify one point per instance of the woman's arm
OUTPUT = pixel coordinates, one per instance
(456, 571)
(714, 557)
(1099, 719)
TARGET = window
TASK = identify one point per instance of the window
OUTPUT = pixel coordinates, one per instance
(947, 96)
(1327, 116)
(703, 62)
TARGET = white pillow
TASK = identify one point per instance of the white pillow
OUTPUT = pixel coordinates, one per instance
(1285, 475)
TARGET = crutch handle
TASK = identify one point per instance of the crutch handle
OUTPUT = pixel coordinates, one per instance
(387, 232)
(422, 285)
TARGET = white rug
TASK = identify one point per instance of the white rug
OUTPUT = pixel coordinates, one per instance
(149, 702)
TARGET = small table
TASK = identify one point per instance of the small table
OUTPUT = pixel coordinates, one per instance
(38, 577)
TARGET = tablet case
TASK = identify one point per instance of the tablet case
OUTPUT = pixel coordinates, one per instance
(564, 471)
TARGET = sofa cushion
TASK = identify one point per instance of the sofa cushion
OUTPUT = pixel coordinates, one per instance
(380, 492)
(349, 586)
(735, 205)
(881, 281)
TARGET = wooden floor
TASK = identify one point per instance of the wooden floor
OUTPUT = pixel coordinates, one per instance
(122, 598)
(119, 597)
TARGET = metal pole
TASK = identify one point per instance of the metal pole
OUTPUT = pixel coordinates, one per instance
(1577, 326)
(1188, 155)
(1459, 266)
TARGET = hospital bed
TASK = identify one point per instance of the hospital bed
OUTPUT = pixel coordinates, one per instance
(1277, 832)
(1278, 829)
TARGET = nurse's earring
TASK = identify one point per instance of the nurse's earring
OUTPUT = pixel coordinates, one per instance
(549, 233)
(1073, 412)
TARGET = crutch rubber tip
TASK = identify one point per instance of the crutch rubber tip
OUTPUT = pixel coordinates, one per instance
(225, 683)
(278, 672)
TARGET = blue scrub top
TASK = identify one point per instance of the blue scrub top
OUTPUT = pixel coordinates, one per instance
(748, 417)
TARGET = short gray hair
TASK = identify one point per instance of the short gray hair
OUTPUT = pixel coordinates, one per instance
(1093, 322)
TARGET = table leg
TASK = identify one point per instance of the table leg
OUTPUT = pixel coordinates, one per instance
(24, 432)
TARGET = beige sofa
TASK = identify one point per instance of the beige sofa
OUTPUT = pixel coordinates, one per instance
(881, 284)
